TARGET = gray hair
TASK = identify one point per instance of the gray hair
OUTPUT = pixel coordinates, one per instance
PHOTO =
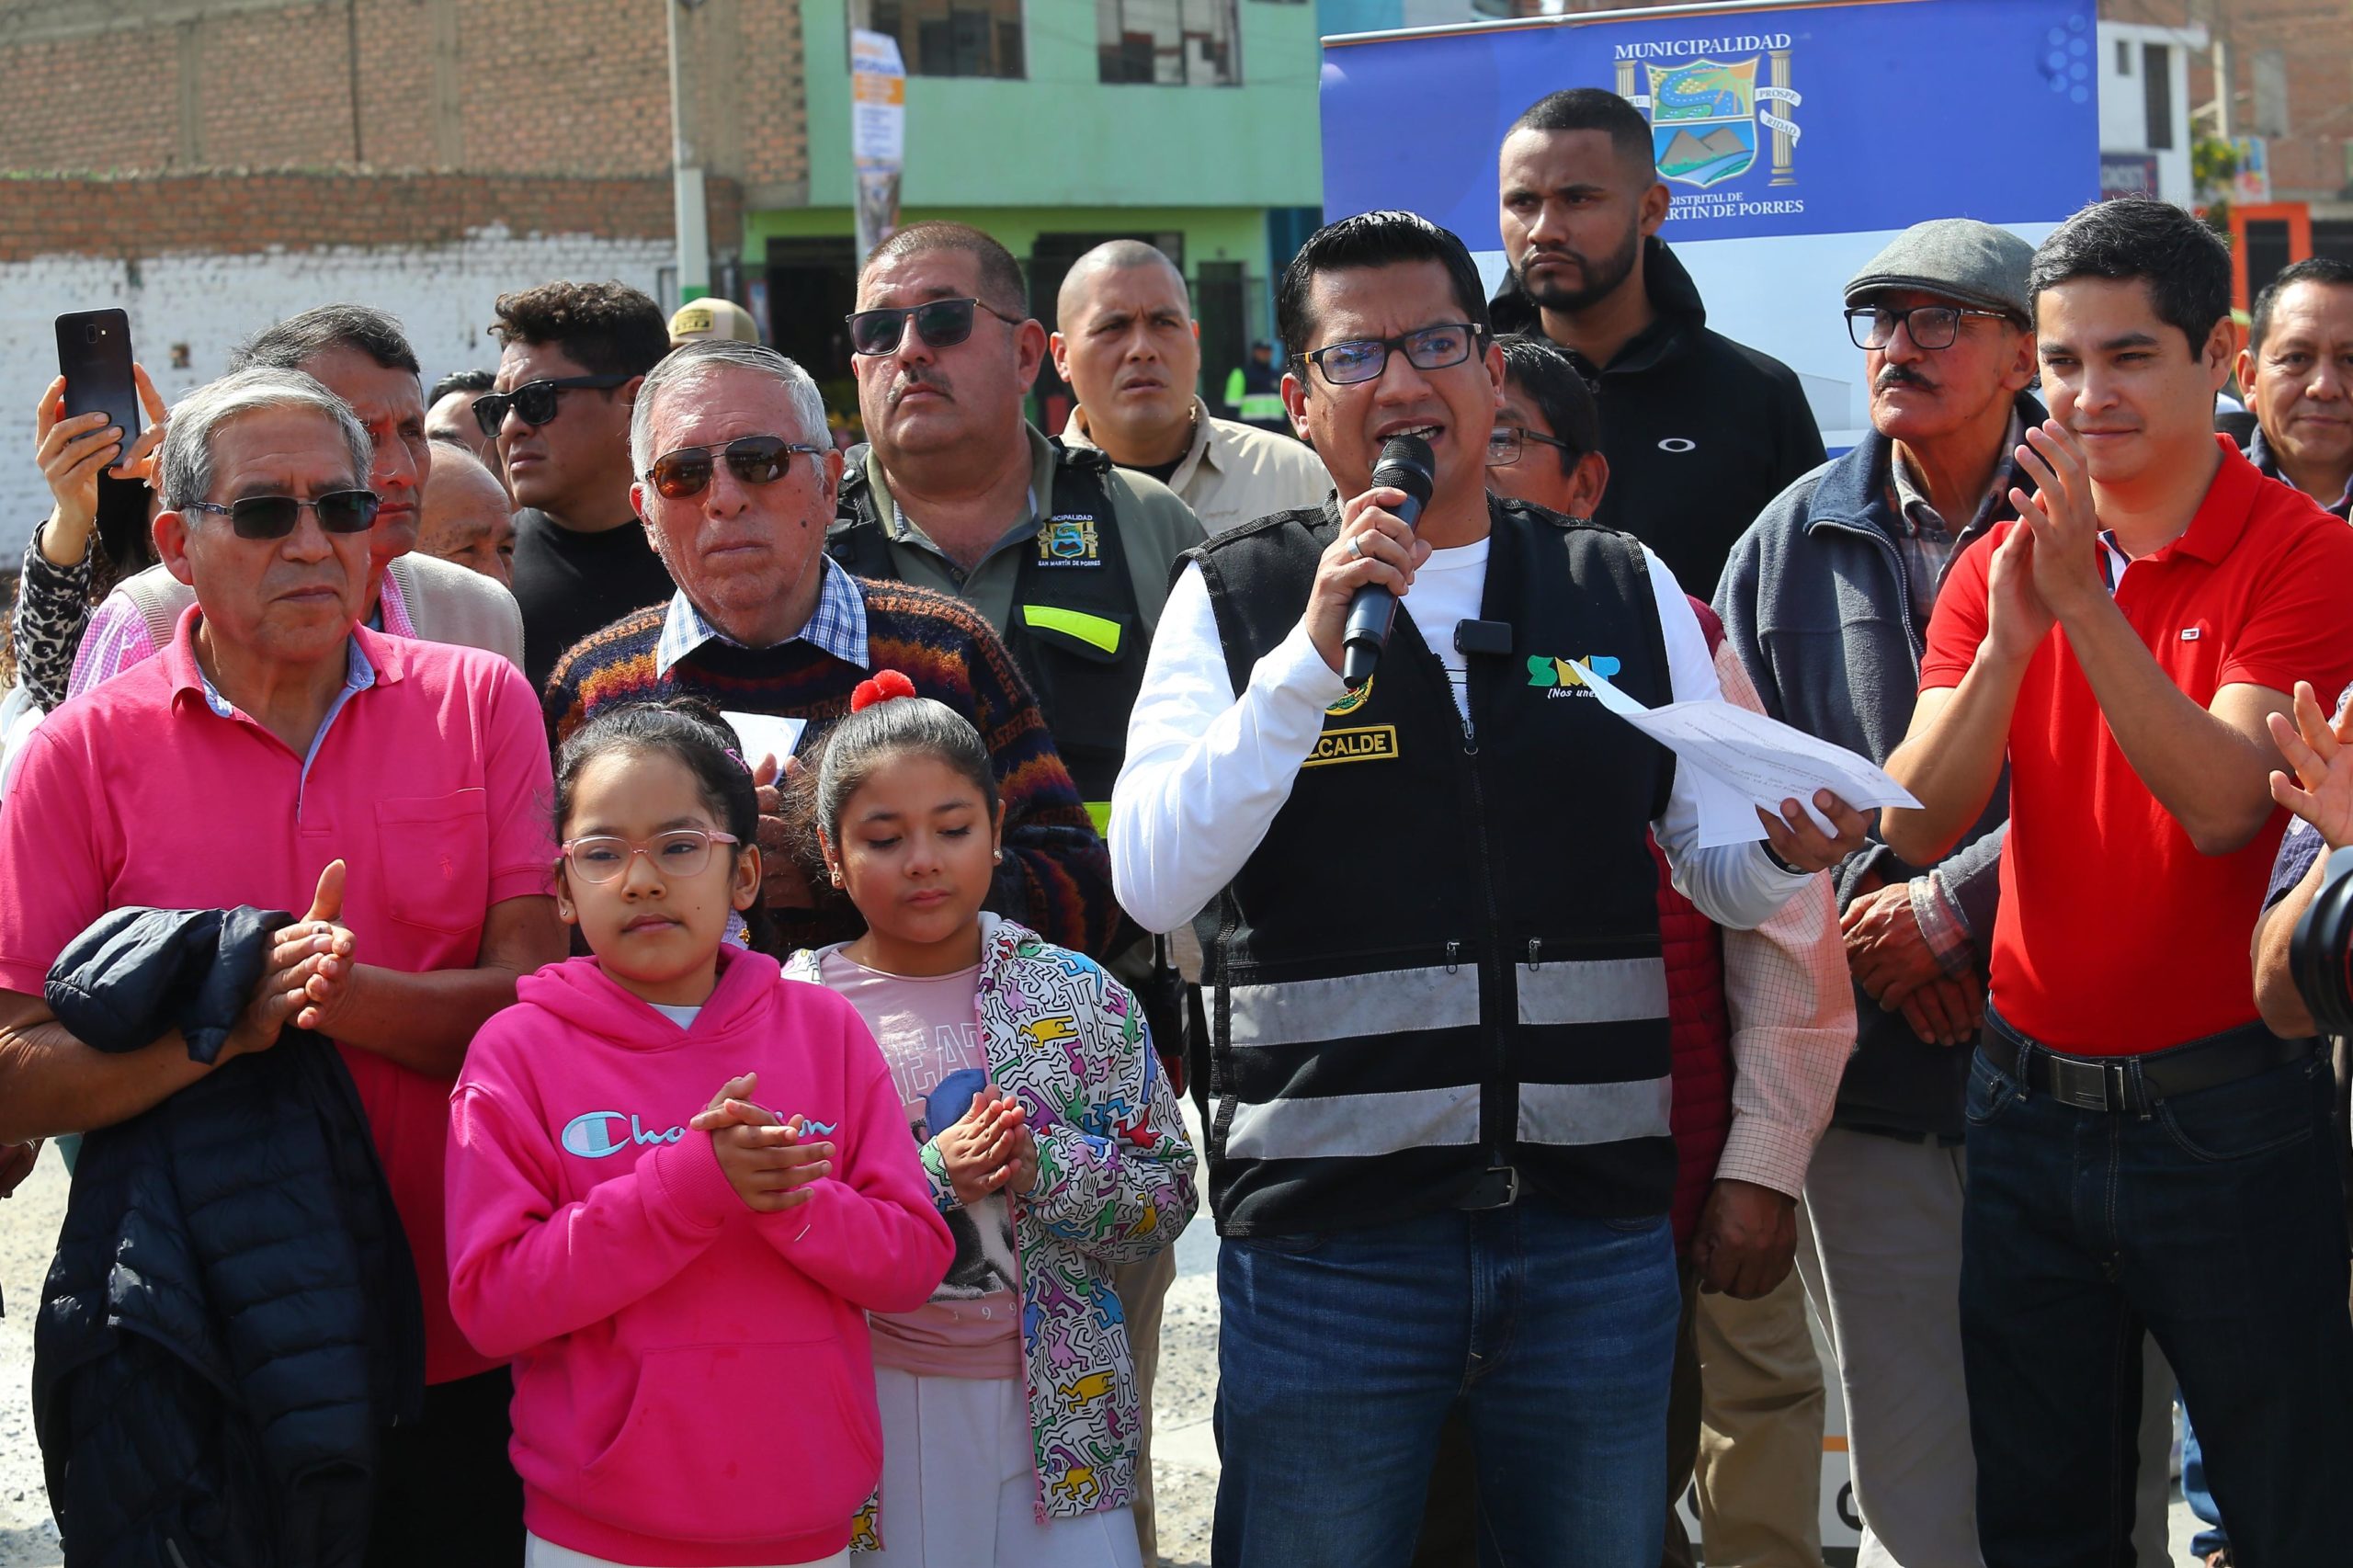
(696, 361)
(184, 468)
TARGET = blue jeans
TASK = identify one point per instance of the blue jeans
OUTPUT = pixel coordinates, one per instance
(2215, 1221)
(2195, 1491)
(1340, 1355)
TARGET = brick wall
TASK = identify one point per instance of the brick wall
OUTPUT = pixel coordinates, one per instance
(555, 87)
(2316, 38)
(151, 215)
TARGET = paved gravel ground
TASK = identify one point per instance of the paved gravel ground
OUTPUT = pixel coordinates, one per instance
(1185, 1457)
(29, 1224)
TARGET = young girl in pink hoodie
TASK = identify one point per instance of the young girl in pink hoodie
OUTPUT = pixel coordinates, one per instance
(1051, 1140)
(686, 1309)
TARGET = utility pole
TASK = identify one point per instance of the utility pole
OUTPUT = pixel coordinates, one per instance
(692, 217)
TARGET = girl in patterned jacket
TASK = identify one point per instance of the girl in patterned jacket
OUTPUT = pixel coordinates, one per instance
(1054, 1146)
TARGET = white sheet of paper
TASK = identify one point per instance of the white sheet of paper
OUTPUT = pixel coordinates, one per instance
(764, 735)
(1749, 760)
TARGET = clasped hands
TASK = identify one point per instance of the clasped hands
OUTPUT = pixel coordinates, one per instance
(1891, 960)
(306, 981)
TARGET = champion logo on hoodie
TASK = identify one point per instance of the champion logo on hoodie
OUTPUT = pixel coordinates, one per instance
(594, 1134)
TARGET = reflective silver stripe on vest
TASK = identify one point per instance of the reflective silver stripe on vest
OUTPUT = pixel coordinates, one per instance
(1592, 991)
(1594, 1113)
(1359, 1006)
(1353, 1125)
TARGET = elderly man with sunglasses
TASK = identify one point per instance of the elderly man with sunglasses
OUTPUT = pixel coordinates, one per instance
(277, 753)
(358, 353)
(737, 486)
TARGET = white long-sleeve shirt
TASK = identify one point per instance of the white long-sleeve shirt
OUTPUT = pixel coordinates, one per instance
(1207, 768)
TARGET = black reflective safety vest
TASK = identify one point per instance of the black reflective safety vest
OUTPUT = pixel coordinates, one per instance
(1438, 977)
(1077, 633)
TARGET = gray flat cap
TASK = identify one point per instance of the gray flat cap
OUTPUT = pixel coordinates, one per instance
(1957, 258)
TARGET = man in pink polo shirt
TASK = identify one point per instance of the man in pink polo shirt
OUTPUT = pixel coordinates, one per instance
(274, 736)
(2144, 1156)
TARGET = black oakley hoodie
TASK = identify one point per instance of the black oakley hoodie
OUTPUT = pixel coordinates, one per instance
(1701, 432)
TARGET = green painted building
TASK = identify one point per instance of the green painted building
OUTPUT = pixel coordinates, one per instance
(1055, 125)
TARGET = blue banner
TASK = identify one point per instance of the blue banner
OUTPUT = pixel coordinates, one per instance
(1770, 120)
(1795, 141)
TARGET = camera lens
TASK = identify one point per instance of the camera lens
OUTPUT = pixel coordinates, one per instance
(2323, 942)
(90, 333)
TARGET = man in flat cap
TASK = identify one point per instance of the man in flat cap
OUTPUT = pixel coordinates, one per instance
(1827, 598)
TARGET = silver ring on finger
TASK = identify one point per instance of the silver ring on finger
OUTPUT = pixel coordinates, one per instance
(1356, 546)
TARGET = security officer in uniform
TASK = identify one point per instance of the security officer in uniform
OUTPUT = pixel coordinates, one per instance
(1067, 556)
(1438, 1147)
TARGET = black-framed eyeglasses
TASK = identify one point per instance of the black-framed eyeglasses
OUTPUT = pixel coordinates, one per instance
(274, 517)
(681, 852)
(1426, 348)
(1929, 326)
(754, 460)
(534, 403)
(1504, 444)
(942, 324)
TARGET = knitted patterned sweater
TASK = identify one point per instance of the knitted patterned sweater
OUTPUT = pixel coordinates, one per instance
(1056, 878)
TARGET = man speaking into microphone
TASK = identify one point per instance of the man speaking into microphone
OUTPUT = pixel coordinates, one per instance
(1438, 1147)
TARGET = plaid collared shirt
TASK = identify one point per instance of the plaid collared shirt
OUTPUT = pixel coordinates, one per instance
(837, 625)
(1925, 536)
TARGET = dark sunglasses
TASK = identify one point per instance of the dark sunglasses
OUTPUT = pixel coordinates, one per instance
(754, 460)
(534, 403)
(274, 517)
(942, 324)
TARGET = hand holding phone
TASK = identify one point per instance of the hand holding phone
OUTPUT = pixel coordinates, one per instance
(88, 422)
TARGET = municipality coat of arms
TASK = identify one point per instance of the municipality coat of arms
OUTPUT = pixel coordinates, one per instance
(1708, 117)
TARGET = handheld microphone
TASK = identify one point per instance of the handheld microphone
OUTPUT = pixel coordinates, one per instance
(1406, 464)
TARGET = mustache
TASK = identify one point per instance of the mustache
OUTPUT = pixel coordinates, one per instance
(1902, 376)
(915, 376)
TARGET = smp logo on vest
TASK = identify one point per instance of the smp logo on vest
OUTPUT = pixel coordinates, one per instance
(594, 1134)
(1565, 677)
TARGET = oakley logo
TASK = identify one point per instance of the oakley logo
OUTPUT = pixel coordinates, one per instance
(1677, 444)
(593, 1134)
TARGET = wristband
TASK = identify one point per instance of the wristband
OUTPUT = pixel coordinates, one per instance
(1767, 845)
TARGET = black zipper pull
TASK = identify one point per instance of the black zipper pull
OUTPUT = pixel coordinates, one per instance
(1535, 947)
(1452, 950)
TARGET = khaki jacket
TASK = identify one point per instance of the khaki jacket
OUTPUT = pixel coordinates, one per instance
(1234, 474)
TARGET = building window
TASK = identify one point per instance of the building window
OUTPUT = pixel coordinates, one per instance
(1178, 43)
(2156, 88)
(954, 37)
(2123, 57)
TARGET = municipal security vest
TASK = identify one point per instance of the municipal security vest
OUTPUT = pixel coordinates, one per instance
(1444, 958)
(1076, 631)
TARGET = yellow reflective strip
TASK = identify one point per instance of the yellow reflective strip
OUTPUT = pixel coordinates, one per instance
(1101, 812)
(1089, 628)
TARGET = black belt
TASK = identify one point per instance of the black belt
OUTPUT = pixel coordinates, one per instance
(1497, 1188)
(2109, 1083)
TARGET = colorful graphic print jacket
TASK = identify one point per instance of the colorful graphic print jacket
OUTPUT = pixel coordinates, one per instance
(1115, 1185)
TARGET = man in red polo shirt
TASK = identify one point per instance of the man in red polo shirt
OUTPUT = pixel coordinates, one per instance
(2144, 1155)
(274, 738)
